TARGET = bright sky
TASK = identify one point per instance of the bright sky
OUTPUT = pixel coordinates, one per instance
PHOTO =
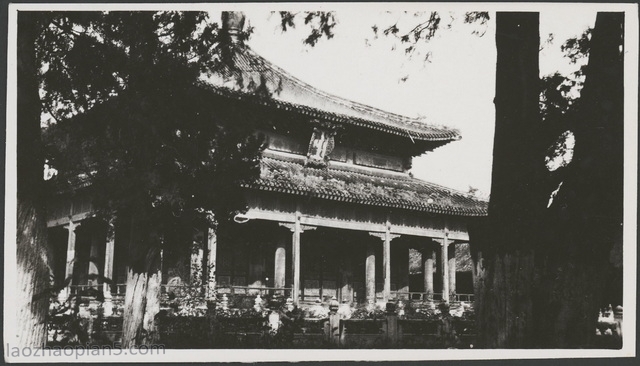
(455, 89)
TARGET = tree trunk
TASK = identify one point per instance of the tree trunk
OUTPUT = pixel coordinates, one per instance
(142, 297)
(142, 304)
(33, 253)
(588, 211)
(504, 301)
(135, 304)
(541, 280)
(153, 301)
(33, 276)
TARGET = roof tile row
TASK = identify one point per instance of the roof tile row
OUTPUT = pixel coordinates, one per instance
(250, 73)
(346, 185)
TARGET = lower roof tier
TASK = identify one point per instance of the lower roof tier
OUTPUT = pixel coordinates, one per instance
(287, 173)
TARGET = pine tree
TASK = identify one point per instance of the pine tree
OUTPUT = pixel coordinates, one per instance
(132, 121)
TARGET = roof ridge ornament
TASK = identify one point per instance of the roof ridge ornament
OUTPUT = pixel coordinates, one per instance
(233, 25)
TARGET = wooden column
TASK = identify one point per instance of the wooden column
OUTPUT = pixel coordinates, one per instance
(444, 259)
(370, 273)
(452, 270)
(428, 260)
(403, 270)
(386, 266)
(295, 252)
(386, 261)
(280, 263)
(71, 256)
(296, 229)
(109, 252)
(346, 280)
(212, 253)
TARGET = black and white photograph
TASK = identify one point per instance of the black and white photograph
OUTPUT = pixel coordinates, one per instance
(322, 181)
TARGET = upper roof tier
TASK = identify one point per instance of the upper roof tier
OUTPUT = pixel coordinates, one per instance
(248, 76)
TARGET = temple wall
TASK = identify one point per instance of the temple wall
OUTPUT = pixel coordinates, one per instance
(378, 160)
(343, 154)
(283, 143)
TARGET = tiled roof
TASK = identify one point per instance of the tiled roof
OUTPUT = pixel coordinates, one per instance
(251, 72)
(341, 182)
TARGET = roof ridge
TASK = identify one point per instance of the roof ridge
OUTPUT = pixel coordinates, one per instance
(290, 93)
(409, 122)
(390, 128)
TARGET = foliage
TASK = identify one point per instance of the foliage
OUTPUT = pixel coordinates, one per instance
(239, 329)
(78, 321)
(132, 120)
(560, 101)
(230, 327)
(365, 312)
(67, 329)
(123, 48)
(320, 24)
(578, 48)
(420, 314)
(133, 124)
(412, 37)
(317, 312)
(183, 332)
(187, 301)
(561, 92)
(415, 34)
(415, 261)
(415, 310)
(464, 263)
(240, 313)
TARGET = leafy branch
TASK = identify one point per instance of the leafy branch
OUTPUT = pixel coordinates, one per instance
(321, 24)
(426, 29)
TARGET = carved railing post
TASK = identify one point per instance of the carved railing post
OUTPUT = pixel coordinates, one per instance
(334, 321)
(392, 324)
